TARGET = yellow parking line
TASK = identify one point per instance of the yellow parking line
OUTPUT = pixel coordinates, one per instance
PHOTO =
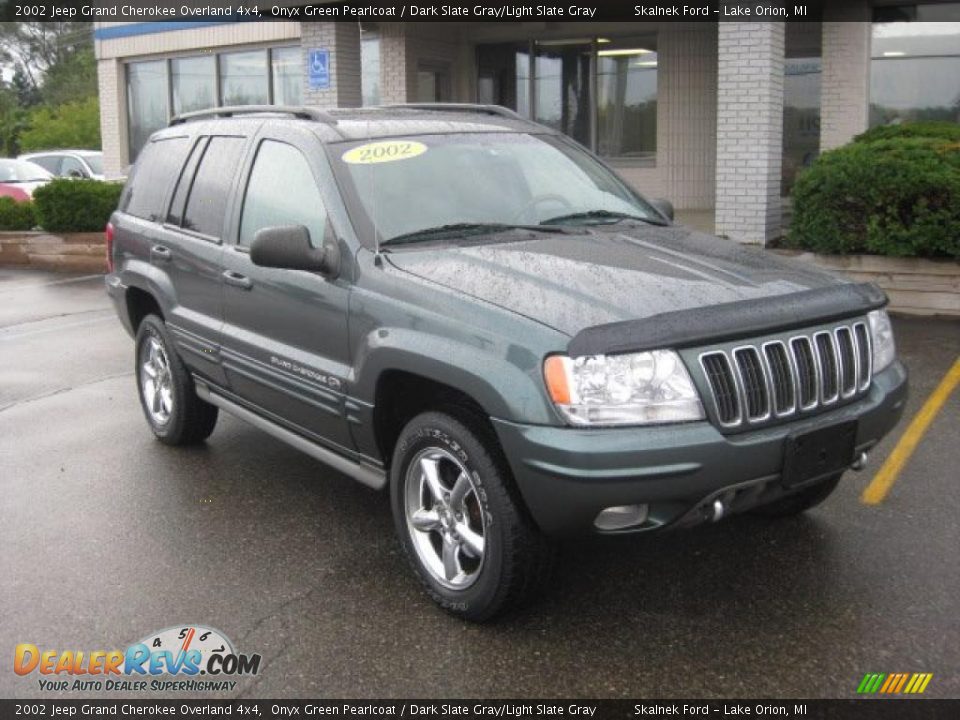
(878, 488)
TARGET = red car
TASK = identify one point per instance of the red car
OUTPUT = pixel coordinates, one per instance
(19, 178)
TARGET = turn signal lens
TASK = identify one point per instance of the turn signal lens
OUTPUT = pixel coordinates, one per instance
(556, 374)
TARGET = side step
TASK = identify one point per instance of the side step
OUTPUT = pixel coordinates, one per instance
(371, 477)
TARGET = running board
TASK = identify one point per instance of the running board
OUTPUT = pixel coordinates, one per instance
(371, 477)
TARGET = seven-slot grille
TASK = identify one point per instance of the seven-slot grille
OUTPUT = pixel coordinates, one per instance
(751, 384)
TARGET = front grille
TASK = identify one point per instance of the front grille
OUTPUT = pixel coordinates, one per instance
(756, 383)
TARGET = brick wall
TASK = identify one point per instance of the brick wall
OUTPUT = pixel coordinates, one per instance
(749, 130)
(845, 93)
(113, 116)
(342, 39)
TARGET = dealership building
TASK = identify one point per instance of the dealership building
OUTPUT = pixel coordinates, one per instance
(716, 117)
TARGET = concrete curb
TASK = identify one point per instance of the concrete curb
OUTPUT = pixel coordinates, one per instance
(917, 286)
(69, 252)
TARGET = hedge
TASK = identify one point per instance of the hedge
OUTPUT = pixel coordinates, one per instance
(897, 196)
(929, 129)
(76, 205)
(16, 215)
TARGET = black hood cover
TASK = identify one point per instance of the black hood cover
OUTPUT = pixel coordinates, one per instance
(615, 276)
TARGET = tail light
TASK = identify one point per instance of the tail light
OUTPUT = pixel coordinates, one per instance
(108, 234)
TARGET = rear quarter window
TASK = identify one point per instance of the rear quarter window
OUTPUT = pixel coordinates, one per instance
(155, 170)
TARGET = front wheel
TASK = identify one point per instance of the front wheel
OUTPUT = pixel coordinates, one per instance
(460, 520)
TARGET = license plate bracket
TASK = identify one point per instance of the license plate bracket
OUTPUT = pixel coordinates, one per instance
(819, 453)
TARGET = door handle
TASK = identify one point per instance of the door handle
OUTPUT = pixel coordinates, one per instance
(237, 280)
(159, 252)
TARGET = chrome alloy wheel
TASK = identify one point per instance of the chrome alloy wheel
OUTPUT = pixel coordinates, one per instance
(156, 383)
(444, 518)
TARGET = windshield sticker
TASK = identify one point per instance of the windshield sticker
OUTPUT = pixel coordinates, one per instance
(384, 151)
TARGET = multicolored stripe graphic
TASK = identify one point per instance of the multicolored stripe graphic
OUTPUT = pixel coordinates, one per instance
(894, 683)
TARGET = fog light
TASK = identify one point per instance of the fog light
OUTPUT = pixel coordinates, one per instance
(619, 517)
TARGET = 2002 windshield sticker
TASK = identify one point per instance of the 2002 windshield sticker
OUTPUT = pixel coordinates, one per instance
(165, 661)
(383, 151)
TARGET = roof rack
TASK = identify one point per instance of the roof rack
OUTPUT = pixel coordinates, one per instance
(304, 113)
(460, 107)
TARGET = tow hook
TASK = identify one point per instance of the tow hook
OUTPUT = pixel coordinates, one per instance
(860, 463)
(718, 510)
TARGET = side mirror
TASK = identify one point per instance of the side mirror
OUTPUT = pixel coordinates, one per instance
(288, 246)
(664, 207)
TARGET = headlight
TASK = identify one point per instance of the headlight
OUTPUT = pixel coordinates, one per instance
(881, 335)
(634, 389)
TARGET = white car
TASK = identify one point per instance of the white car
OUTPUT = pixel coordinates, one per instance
(69, 163)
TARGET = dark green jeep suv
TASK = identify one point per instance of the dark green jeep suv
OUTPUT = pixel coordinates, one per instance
(474, 312)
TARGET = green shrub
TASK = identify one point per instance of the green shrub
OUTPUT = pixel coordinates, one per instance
(16, 215)
(71, 125)
(898, 197)
(76, 205)
(929, 129)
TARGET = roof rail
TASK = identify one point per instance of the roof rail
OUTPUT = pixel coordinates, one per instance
(460, 107)
(304, 113)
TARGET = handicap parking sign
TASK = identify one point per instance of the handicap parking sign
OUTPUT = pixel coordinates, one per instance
(318, 69)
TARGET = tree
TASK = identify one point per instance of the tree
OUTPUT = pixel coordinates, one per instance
(71, 125)
(33, 48)
(71, 79)
(12, 122)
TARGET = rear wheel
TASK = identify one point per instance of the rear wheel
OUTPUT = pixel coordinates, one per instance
(800, 501)
(167, 394)
(460, 521)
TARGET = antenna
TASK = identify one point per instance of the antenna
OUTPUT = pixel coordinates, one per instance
(377, 260)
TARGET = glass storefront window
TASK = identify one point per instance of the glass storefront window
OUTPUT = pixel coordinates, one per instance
(146, 101)
(627, 99)
(243, 78)
(915, 70)
(194, 82)
(801, 117)
(287, 76)
(600, 91)
(370, 68)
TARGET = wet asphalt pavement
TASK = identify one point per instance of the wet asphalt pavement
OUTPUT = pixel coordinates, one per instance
(107, 535)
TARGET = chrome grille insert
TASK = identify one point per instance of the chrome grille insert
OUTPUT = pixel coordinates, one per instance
(723, 386)
(829, 368)
(782, 378)
(754, 383)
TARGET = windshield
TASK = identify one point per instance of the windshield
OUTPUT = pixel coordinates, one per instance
(14, 171)
(95, 161)
(406, 185)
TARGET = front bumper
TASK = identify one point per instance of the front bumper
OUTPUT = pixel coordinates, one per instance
(568, 475)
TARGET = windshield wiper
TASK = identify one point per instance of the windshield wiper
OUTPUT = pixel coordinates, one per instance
(464, 228)
(600, 215)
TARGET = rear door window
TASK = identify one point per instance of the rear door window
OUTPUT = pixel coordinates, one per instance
(207, 202)
(157, 167)
(179, 201)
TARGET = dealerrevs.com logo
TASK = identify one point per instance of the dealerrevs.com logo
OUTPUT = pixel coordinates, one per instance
(189, 658)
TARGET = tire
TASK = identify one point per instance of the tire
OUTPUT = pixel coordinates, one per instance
(175, 414)
(800, 501)
(482, 509)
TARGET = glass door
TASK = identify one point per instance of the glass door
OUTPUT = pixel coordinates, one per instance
(562, 87)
